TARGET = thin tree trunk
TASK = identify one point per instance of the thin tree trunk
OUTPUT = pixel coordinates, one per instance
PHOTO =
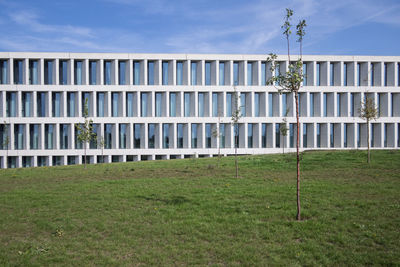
(85, 155)
(236, 161)
(368, 141)
(298, 156)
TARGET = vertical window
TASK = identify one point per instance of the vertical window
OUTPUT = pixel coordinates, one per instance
(318, 72)
(108, 136)
(352, 105)
(277, 72)
(19, 137)
(115, 104)
(249, 73)
(179, 135)
(26, 104)
(56, 104)
(151, 135)
(150, 72)
(291, 135)
(165, 135)
(358, 74)
(71, 104)
(304, 135)
(49, 136)
(270, 105)
(228, 104)
(201, 104)
(243, 104)
(78, 72)
(136, 72)
(318, 135)
(122, 135)
(193, 73)
(372, 134)
(122, 72)
(86, 97)
(194, 135)
(325, 104)
(107, 72)
(263, 135)
(385, 135)
(143, 104)
(92, 72)
(208, 73)
(78, 143)
(187, 104)
(345, 74)
(33, 71)
(250, 135)
(100, 104)
(172, 104)
(372, 74)
(208, 135)
(64, 133)
(3, 71)
(48, 72)
(93, 142)
(34, 131)
(215, 104)
(236, 134)
(41, 104)
(277, 135)
(165, 72)
(345, 135)
(235, 73)
(11, 105)
(305, 74)
(385, 66)
(63, 72)
(221, 73)
(129, 104)
(263, 73)
(136, 132)
(398, 74)
(158, 105)
(257, 104)
(332, 135)
(332, 72)
(179, 72)
(222, 135)
(312, 104)
(18, 71)
(284, 104)
(338, 105)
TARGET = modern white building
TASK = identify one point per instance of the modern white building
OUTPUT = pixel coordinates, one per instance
(164, 106)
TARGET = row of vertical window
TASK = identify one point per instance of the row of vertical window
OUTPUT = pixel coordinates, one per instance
(191, 135)
(163, 72)
(178, 104)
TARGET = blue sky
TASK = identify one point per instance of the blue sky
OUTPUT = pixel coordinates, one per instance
(344, 27)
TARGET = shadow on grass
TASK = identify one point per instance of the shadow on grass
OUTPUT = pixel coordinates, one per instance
(174, 200)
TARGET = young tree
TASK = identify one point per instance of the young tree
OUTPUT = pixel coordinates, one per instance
(85, 130)
(217, 134)
(102, 143)
(283, 129)
(236, 115)
(368, 111)
(291, 82)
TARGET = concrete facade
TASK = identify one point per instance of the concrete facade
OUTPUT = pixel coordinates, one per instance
(162, 106)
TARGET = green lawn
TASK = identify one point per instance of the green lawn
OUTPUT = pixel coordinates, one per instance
(192, 212)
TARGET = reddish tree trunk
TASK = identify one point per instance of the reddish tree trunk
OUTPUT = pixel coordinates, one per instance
(298, 156)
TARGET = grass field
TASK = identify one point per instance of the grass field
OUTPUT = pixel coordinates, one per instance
(192, 212)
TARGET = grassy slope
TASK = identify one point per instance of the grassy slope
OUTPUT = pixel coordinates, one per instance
(190, 212)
